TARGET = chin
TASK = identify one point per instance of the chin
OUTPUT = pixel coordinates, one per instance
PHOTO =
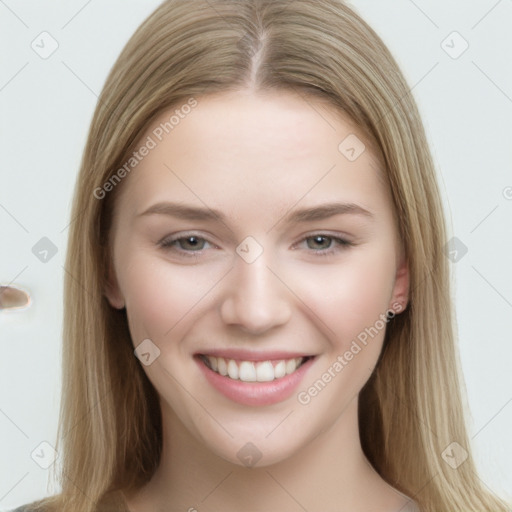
(257, 454)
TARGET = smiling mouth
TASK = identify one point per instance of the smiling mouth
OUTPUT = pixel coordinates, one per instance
(250, 371)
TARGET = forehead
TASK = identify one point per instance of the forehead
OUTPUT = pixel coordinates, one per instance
(261, 151)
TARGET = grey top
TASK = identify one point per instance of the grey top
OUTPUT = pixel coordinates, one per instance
(410, 507)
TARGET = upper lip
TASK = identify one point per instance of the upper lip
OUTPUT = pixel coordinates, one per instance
(252, 355)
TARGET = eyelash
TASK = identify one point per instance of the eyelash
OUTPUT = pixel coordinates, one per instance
(168, 243)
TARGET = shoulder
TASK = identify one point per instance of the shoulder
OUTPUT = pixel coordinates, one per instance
(29, 507)
(411, 506)
(112, 501)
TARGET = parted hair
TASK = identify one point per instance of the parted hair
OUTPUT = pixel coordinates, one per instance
(411, 409)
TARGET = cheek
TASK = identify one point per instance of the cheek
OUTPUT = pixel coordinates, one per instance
(352, 302)
(161, 297)
(350, 296)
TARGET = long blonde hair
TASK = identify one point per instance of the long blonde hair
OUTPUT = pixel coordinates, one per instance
(110, 436)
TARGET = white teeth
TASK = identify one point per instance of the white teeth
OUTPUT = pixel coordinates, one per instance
(264, 372)
(232, 369)
(222, 367)
(248, 371)
(213, 362)
(280, 370)
(291, 366)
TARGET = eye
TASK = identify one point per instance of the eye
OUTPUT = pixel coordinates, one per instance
(185, 244)
(323, 244)
(319, 242)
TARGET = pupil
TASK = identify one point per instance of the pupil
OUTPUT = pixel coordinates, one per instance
(321, 242)
(191, 242)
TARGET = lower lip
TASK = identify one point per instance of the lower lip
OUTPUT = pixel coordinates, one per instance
(255, 393)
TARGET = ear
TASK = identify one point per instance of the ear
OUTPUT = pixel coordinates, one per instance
(400, 296)
(111, 289)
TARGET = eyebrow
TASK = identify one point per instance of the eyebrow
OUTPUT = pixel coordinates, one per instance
(182, 211)
(310, 214)
(325, 211)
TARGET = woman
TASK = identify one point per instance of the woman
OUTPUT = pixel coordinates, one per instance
(257, 309)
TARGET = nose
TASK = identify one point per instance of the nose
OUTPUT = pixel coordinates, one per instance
(255, 299)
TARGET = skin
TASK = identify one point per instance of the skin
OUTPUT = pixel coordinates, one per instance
(257, 157)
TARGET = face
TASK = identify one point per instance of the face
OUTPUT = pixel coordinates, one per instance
(249, 241)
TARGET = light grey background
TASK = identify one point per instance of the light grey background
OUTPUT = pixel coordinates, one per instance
(45, 109)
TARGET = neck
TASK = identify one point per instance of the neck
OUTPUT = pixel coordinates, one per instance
(330, 473)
